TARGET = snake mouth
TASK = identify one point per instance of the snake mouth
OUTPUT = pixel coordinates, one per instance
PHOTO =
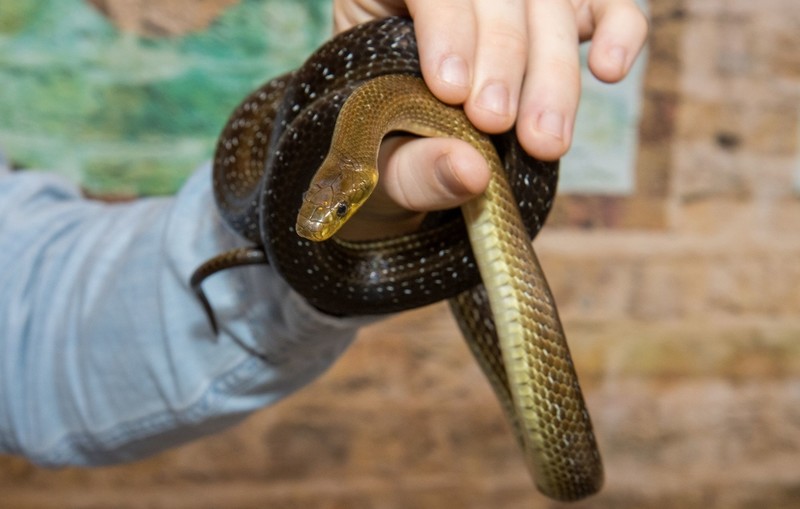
(311, 230)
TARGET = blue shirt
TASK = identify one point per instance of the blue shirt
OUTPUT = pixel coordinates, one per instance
(105, 353)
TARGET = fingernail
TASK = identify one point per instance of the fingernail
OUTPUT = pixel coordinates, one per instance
(617, 56)
(453, 70)
(552, 123)
(446, 176)
(443, 166)
(494, 98)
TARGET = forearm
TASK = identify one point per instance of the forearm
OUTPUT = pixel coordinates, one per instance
(105, 354)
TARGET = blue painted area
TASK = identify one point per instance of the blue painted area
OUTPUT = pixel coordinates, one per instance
(603, 155)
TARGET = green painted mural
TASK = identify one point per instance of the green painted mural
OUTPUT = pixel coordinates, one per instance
(127, 114)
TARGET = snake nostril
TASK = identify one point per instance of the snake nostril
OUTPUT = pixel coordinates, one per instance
(341, 209)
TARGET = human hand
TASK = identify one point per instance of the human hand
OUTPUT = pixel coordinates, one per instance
(507, 63)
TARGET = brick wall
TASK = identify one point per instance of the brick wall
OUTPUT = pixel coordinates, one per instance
(681, 302)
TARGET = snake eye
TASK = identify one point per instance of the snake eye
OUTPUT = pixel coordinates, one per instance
(341, 209)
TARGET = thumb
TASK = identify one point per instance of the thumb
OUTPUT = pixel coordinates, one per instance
(424, 174)
(417, 175)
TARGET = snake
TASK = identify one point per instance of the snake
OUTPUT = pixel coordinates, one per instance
(297, 159)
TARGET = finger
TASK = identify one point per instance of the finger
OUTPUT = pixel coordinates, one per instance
(446, 51)
(621, 30)
(500, 61)
(552, 84)
(349, 13)
(423, 174)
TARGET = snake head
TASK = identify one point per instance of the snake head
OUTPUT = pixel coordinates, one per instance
(334, 195)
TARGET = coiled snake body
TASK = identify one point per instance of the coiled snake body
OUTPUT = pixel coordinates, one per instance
(368, 78)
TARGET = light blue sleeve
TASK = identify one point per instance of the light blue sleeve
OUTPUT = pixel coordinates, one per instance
(106, 355)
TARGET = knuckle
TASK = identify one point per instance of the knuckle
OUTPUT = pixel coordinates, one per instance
(510, 43)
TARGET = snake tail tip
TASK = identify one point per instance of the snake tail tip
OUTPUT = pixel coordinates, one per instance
(212, 319)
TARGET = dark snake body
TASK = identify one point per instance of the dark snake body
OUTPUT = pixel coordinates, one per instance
(268, 153)
(344, 276)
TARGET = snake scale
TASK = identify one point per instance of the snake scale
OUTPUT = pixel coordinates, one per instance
(480, 258)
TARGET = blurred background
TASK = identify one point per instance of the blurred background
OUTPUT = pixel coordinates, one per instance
(673, 252)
